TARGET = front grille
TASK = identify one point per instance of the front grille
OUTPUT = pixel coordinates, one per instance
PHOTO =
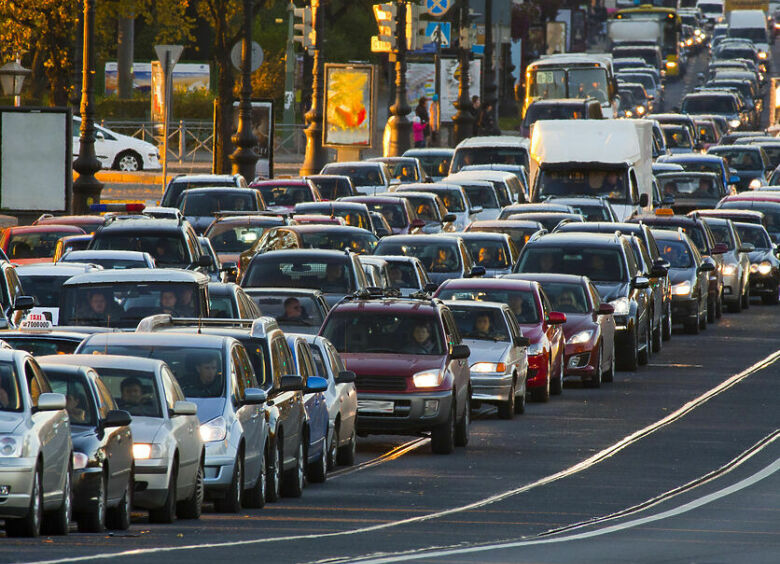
(369, 383)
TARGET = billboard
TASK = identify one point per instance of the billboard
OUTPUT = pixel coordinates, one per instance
(420, 78)
(350, 104)
(186, 76)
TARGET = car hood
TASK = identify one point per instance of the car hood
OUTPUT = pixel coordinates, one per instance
(576, 322)
(208, 408)
(9, 422)
(146, 429)
(487, 351)
(677, 275)
(533, 331)
(390, 364)
(760, 255)
(611, 290)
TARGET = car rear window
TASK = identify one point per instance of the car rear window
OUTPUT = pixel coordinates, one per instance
(521, 302)
(167, 248)
(598, 264)
(435, 257)
(326, 275)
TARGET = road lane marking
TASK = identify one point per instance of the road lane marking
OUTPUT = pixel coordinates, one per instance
(604, 454)
(392, 454)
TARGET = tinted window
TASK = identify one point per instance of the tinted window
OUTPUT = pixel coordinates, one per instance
(486, 324)
(290, 310)
(361, 243)
(34, 245)
(285, 195)
(756, 235)
(10, 396)
(436, 257)
(209, 203)
(39, 345)
(677, 253)
(598, 264)
(134, 391)
(372, 332)
(77, 397)
(328, 276)
(521, 302)
(46, 289)
(168, 249)
(566, 297)
(490, 254)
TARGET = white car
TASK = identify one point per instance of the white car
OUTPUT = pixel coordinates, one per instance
(117, 151)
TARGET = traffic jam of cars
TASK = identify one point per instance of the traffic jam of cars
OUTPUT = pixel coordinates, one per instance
(234, 344)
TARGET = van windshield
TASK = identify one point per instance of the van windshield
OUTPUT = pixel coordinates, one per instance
(489, 155)
(610, 184)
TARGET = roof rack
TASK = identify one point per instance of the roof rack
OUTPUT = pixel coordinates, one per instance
(258, 327)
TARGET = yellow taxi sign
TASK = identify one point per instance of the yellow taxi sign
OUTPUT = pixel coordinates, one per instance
(664, 211)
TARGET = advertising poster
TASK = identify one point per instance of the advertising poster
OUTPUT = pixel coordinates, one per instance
(349, 106)
(186, 77)
(420, 78)
(158, 92)
(263, 129)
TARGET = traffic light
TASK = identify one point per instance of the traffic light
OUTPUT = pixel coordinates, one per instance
(415, 27)
(385, 15)
(306, 35)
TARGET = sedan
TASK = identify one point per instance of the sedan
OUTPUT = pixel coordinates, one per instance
(117, 151)
(764, 263)
(736, 263)
(200, 205)
(750, 162)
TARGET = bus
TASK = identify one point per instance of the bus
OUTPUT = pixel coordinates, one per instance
(672, 26)
(572, 75)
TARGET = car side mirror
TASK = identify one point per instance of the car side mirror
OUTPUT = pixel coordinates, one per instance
(747, 248)
(117, 418)
(417, 224)
(522, 341)
(556, 318)
(644, 199)
(431, 287)
(477, 271)
(204, 260)
(346, 377)
(720, 248)
(184, 408)
(315, 384)
(460, 351)
(476, 209)
(24, 303)
(606, 309)
(449, 218)
(254, 396)
(658, 271)
(640, 282)
(291, 383)
(707, 265)
(51, 402)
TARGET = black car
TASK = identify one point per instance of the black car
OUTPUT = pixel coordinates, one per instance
(200, 205)
(688, 273)
(102, 447)
(764, 264)
(549, 220)
(762, 202)
(691, 190)
(608, 260)
(179, 184)
(592, 209)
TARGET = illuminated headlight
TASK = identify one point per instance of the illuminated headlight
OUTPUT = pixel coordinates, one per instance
(214, 430)
(764, 268)
(682, 289)
(628, 113)
(535, 349)
(689, 42)
(428, 379)
(483, 367)
(729, 270)
(581, 337)
(80, 460)
(671, 65)
(762, 55)
(621, 306)
(734, 123)
(10, 446)
(145, 451)
(698, 32)
(640, 110)
(755, 184)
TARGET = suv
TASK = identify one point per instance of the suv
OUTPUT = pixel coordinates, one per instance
(183, 182)
(412, 370)
(199, 206)
(609, 262)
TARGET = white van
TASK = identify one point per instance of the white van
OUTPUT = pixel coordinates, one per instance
(752, 24)
(712, 10)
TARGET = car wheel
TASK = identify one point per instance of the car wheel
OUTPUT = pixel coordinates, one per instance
(692, 325)
(711, 306)
(128, 161)
(443, 435)
(273, 474)
(609, 376)
(668, 323)
(192, 507)
(703, 321)
(556, 386)
(317, 471)
(506, 409)
(295, 480)
(735, 306)
(595, 380)
(167, 512)
(118, 518)
(254, 497)
(630, 356)
(333, 448)
(658, 336)
(543, 394)
(346, 453)
(644, 355)
(94, 521)
(462, 428)
(58, 521)
(30, 524)
(231, 503)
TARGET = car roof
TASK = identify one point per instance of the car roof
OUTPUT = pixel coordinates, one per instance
(301, 253)
(689, 157)
(549, 277)
(391, 197)
(682, 220)
(46, 228)
(219, 190)
(327, 228)
(576, 239)
(480, 235)
(717, 148)
(140, 222)
(407, 305)
(396, 258)
(506, 223)
(422, 151)
(270, 291)
(432, 239)
(104, 253)
(495, 141)
(668, 235)
(203, 177)
(488, 283)
(333, 204)
(153, 338)
(280, 182)
(98, 361)
(174, 275)
(476, 304)
(56, 269)
(362, 164)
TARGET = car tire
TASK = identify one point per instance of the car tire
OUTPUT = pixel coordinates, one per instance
(118, 518)
(167, 512)
(703, 322)
(58, 521)
(273, 475)
(128, 161)
(520, 400)
(746, 299)
(630, 356)
(254, 497)
(711, 306)
(644, 355)
(692, 325)
(735, 306)
(192, 507)
(346, 453)
(598, 376)
(333, 448)
(718, 308)
(443, 435)
(463, 426)
(609, 376)
(30, 524)
(658, 337)
(506, 409)
(317, 471)
(234, 495)
(556, 386)
(295, 479)
(94, 521)
(667, 332)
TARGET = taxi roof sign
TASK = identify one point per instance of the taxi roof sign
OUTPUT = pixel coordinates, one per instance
(35, 321)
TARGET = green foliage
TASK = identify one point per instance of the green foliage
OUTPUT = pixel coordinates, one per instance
(186, 105)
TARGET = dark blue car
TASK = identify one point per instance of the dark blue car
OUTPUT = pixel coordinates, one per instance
(697, 162)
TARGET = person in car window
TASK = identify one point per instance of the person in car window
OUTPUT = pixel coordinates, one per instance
(566, 301)
(132, 395)
(705, 188)
(485, 257)
(612, 185)
(482, 329)
(168, 302)
(206, 384)
(99, 308)
(184, 302)
(519, 307)
(75, 412)
(421, 339)
(293, 311)
(443, 261)
(334, 278)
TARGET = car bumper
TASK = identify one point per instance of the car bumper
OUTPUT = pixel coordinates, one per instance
(763, 284)
(17, 474)
(579, 360)
(218, 469)
(732, 288)
(537, 371)
(684, 308)
(490, 387)
(411, 413)
(86, 488)
(151, 483)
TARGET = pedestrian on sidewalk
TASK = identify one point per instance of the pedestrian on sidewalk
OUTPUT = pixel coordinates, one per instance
(418, 130)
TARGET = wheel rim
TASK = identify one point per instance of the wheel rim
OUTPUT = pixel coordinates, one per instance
(67, 499)
(334, 445)
(200, 490)
(512, 392)
(36, 507)
(128, 163)
(102, 502)
(239, 480)
(300, 463)
(324, 460)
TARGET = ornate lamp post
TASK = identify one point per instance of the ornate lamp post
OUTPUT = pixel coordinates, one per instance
(12, 76)
(399, 125)
(244, 157)
(87, 188)
(463, 120)
(316, 157)
(489, 97)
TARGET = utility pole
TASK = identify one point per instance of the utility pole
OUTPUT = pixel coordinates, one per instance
(244, 157)
(399, 125)
(463, 120)
(489, 98)
(316, 157)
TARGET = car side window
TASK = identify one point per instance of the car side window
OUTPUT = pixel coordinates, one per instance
(171, 395)
(334, 359)
(105, 399)
(36, 382)
(546, 307)
(633, 269)
(465, 258)
(282, 359)
(594, 296)
(451, 328)
(514, 328)
(238, 374)
(307, 369)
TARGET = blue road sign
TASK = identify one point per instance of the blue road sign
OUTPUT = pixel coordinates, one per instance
(438, 7)
(445, 28)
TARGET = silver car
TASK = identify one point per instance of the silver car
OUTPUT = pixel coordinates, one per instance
(341, 398)
(167, 447)
(35, 450)
(499, 363)
(736, 263)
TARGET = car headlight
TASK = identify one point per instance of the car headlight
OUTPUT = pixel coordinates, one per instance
(762, 54)
(80, 460)
(428, 379)
(671, 65)
(535, 349)
(145, 451)
(214, 430)
(729, 270)
(734, 123)
(755, 184)
(488, 367)
(10, 447)
(765, 268)
(621, 306)
(581, 337)
(682, 289)
(640, 110)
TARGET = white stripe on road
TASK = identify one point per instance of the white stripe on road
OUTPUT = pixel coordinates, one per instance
(580, 466)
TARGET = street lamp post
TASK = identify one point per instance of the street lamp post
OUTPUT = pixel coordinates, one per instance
(489, 98)
(244, 157)
(463, 120)
(316, 157)
(87, 188)
(400, 128)
(12, 75)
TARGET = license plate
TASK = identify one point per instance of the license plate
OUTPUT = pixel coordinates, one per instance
(375, 406)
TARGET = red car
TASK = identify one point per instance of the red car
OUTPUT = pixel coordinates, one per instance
(34, 243)
(589, 329)
(282, 195)
(536, 318)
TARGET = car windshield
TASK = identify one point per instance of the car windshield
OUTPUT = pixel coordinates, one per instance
(332, 188)
(367, 332)
(435, 165)
(177, 187)
(34, 244)
(755, 235)
(482, 196)
(482, 323)
(360, 243)
(645, 80)
(106, 263)
(677, 137)
(167, 250)
(489, 253)
(435, 257)
(598, 264)
(452, 199)
(677, 253)
(566, 297)
(352, 216)
(519, 235)
(707, 131)
(360, 175)
(424, 206)
(592, 212)
(709, 105)
(124, 305)
(402, 275)
(521, 302)
(288, 196)
(489, 155)
(77, 398)
(755, 34)
(722, 234)
(405, 171)
(685, 187)
(227, 238)
(611, 184)
(10, 398)
(223, 307)
(200, 204)
(394, 213)
(332, 276)
(289, 310)
(135, 391)
(740, 159)
(46, 289)
(773, 152)
(701, 166)
(696, 234)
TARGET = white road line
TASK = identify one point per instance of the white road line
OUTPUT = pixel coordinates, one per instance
(392, 454)
(580, 466)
